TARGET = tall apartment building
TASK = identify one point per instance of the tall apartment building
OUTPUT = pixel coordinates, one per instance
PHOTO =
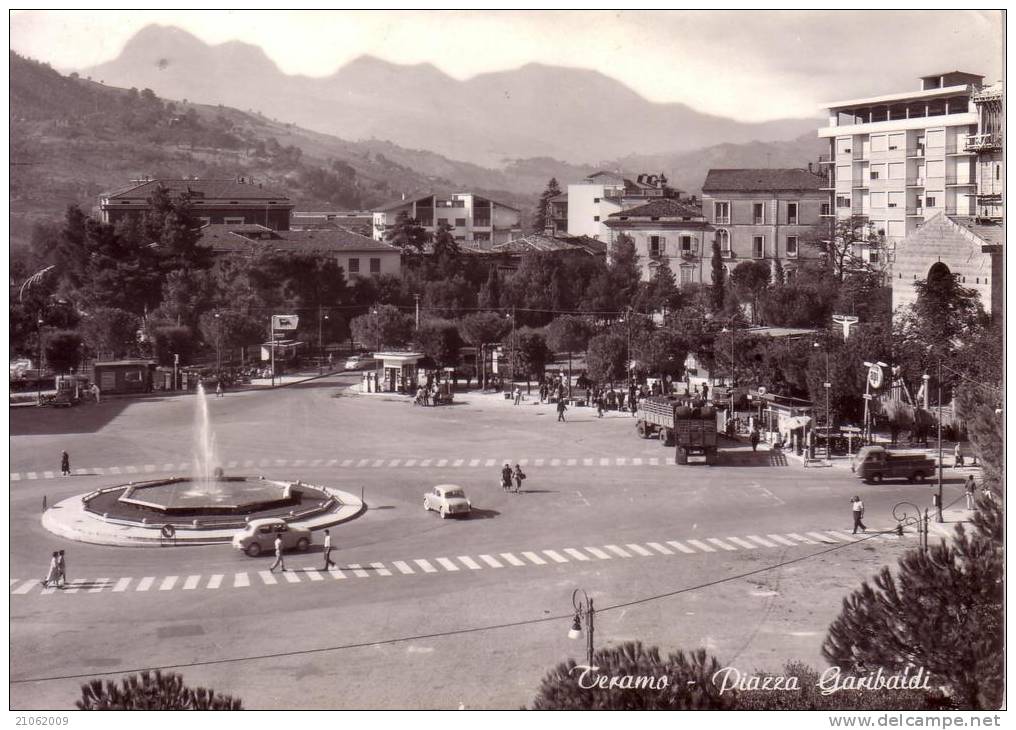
(764, 214)
(591, 202)
(668, 231)
(898, 160)
(476, 222)
(987, 144)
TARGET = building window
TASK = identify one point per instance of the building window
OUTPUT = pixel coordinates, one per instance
(460, 222)
(596, 200)
(233, 221)
(824, 209)
(481, 236)
(657, 245)
(792, 214)
(442, 221)
(687, 275)
(842, 201)
(687, 245)
(929, 201)
(375, 266)
(895, 199)
(874, 174)
(758, 246)
(723, 237)
(596, 219)
(354, 266)
(758, 213)
(792, 247)
(721, 212)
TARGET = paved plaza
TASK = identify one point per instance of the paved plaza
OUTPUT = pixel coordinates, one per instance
(755, 555)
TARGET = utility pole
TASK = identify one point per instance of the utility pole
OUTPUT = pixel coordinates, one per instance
(38, 365)
(417, 298)
(938, 516)
(271, 324)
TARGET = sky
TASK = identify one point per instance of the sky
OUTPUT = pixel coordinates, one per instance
(747, 65)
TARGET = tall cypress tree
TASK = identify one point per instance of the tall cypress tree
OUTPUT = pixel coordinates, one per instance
(719, 278)
(490, 292)
(542, 214)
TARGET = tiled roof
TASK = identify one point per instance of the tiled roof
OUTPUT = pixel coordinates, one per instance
(593, 245)
(534, 242)
(662, 208)
(765, 179)
(992, 234)
(225, 238)
(410, 198)
(212, 190)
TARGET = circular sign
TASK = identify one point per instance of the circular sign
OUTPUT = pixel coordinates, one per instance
(761, 390)
(168, 531)
(875, 376)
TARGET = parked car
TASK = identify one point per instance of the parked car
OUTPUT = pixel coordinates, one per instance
(360, 362)
(447, 499)
(259, 536)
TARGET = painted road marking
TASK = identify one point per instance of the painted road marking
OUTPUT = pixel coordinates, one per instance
(555, 462)
(604, 462)
(571, 462)
(132, 470)
(474, 462)
(15, 477)
(820, 537)
(100, 583)
(394, 462)
(442, 462)
(24, 587)
(316, 462)
(403, 567)
(761, 541)
(48, 475)
(215, 581)
(491, 561)
(378, 463)
(654, 461)
(576, 554)
(144, 584)
(701, 546)
(75, 585)
(720, 544)
(299, 462)
(191, 583)
(512, 559)
(32, 475)
(596, 552)
(13, 581)
(587, 462)
(447, 564)
(167, 467)
(659, 548)
(538, 462)
(620, 461)
(555, 556)
(121, 585)
(638, 549)
(782, 540)
(151, 467)
(267, 577)
(313, 574)
(800, 538)
(380, 568)
(680, 546)
(362, 463)
(669, 461)
(533, 558)
(330, 462)
(168, 582)
(489, 462)
(346, 463)
(336, 574)
(358, 570)
(469, 562)
(291, 576)
(426, 462)
(742, 543)
(426, 566)
(618, 551)
(410, 462)
(636, 462)
(843, 536)
(264, 462)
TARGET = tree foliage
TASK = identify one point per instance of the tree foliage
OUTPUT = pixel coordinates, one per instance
(483, 328)
(407, 234)
(169, 341)
(439, 339)
(607, 357)
(152, 691)
(568, 333)
(385, 326)
(527, 352)
(749, 280)
(541, 217)
(110, 332)
(719, 283)
(63, 350)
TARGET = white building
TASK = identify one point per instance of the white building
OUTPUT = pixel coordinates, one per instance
(476, 222)
(592, 201)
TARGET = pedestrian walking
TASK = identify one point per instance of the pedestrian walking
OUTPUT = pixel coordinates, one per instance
(328, 551)
(858, 511)
(279, 562)
(506, 478)
(54, 570)
(958, 454)
(561, 408)
(970, 489)
(218, 389)
(519, 476)
(599, 405)
(96, 394)
(61, 569)
(518, 395)
(754, 439)
(633, 404)
(65, 464)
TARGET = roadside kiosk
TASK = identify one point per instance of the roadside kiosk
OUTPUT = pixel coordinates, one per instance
(398, 372)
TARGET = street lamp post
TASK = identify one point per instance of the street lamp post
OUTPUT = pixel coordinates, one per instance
(218, 345)
(938, 506)
(320, 342)
(903, 519)
(38, 365)
(583, 614)
(827, 384)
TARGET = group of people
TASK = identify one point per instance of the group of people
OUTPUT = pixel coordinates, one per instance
(57, 576)
(427, 395)
(508, 476)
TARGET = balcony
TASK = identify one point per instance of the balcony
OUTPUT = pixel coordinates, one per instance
(957, 181)
(826, 159)
(983, 142)
(481, 222)
(722, 220)
(916, 151)
(958, 149)
(859, 184)
(915, 182)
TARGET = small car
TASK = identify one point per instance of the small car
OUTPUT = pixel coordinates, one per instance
(360, 362)
(259, 536)
(447, 499)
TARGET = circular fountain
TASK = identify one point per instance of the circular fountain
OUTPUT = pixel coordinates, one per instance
(207, 507)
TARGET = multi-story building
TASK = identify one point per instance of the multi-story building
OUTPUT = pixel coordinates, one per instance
(357, 221)
(477, 222)
(667, 230)
(987, 144)
(764, 214)
(592, 201)
(557, 216)
(900, 159)
(233, 202)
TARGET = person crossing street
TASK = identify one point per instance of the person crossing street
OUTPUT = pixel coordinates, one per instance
(858, 511)
(328, 551)
(561, 408)
(279, 562)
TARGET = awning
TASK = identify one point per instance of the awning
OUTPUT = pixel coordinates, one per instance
(797, 422)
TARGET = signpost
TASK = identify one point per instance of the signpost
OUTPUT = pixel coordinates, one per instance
(281, 322)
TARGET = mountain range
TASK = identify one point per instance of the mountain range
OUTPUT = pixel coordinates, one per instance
(575, 115)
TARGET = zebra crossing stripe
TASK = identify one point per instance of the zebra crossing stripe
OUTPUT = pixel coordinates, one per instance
(782, 540)
(587, 462)
(636, 462)
(75, 585)
(144, 584)
(555, 462)
(474, 462)
(555, 556)
(680, 546)
(457, 462)
(183, 466)
(32, 475)
(151, 467)
(720, 544)
(469, 562)
(512, 559)
(100, 472)
(336, 574)
(533, 558)
(299, 462)
(215, 581)
(576, 554)
(346, 463)
(618, 551)
(571, 462)
(842, 536)
(425, 462)
(15, 477)
(659, 548)
(381, 569)
(654, 461)
(447, 564)
(742, 543)
(403, 567)
(538, 462)
(489, 462)
(330, 462)
(121, 585)
(426, 566)
(638, 549)
(604, 462)
(358, 570)
(378, 463)
(132, 470)
(313, 574)
(442, 462)
(362, 463)
(168, 582)
(13, 581)
(394, 462)
(800, 538)
(596, 552)
(24, 587)
(48, 591)
(167, 467)
(701, 546)
(669, 461)
(48, 475)
(291, 576)
(410, 462)
(820, 537)
(620, 461)
(267, 578)
(761, 541)
(491, 561)
(100, 583)
(81, 471)
(191, 583)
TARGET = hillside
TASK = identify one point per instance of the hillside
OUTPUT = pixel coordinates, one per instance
(533, 111)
